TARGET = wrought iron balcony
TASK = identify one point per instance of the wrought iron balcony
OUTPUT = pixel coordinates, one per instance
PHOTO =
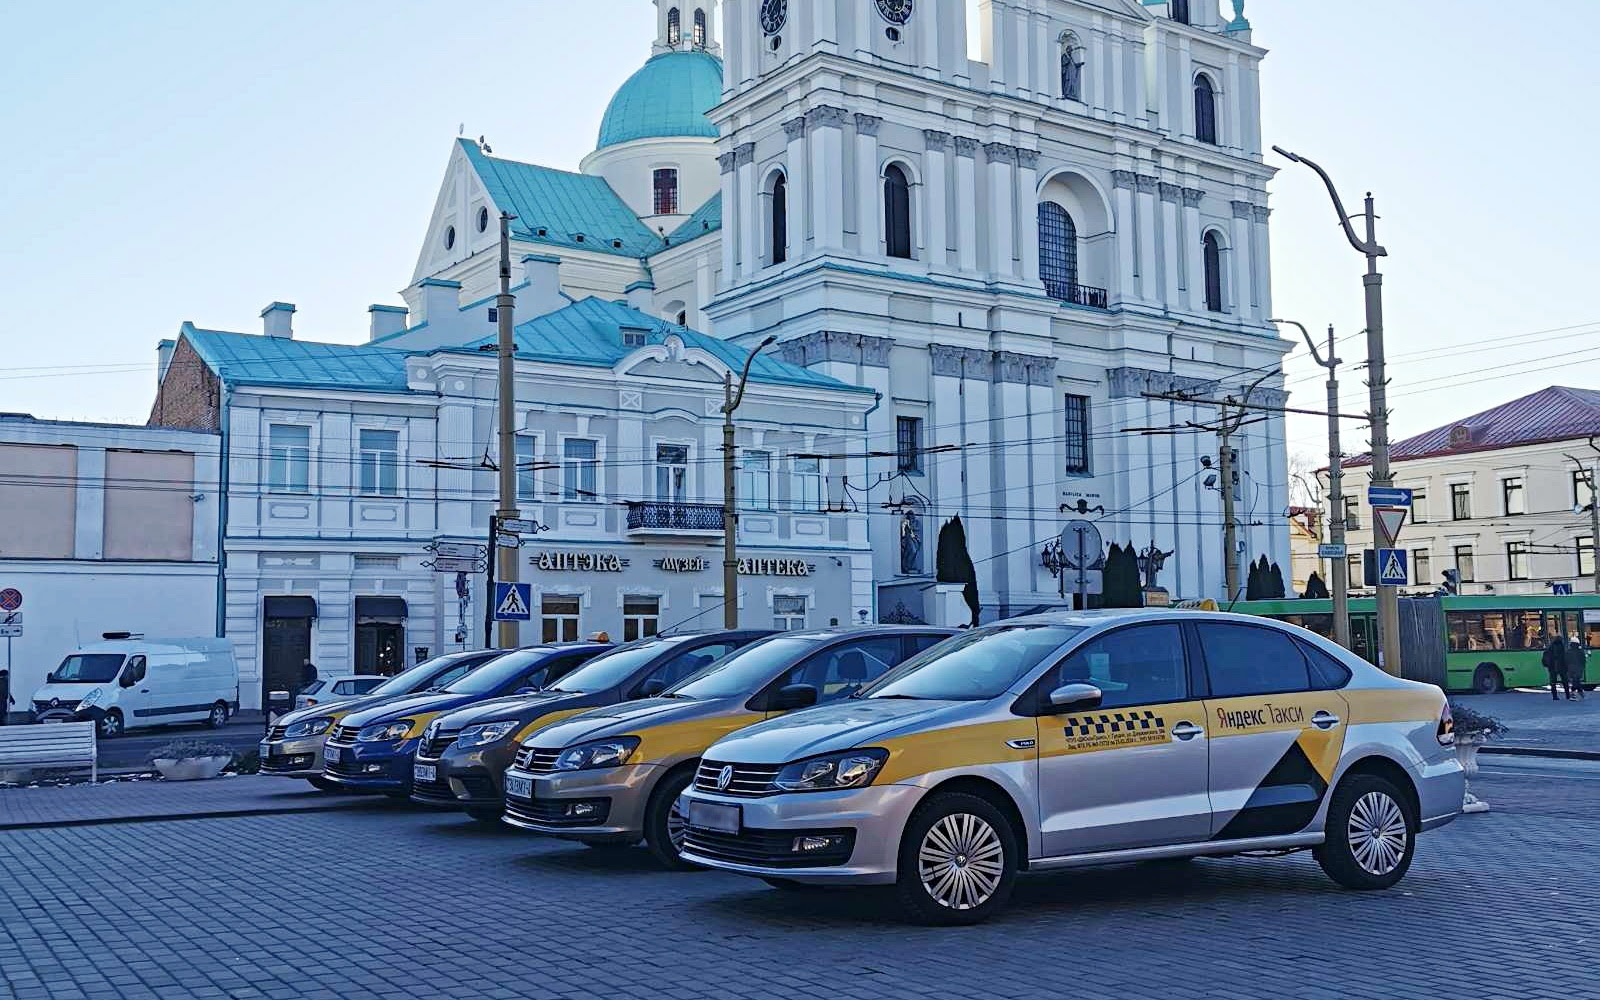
(673, 518)
(1078, 295)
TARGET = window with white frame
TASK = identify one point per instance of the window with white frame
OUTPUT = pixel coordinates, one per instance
(807, 484)
(641, 616)
(1516, 560)
(1513, 497)
(580, 469)
(1466, 565)
(755, 480)
(527, 475)
(380, 463)
(672, 473)
(1582, 488)
(788, 612)
(1585, 547)
(1419, 505)
(289, 458)
(558, 617)
(1421, 567)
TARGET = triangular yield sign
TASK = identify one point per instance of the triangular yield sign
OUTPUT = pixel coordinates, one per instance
(1387, 521)
(512, 606)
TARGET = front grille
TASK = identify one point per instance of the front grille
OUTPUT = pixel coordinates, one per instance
(439, 788)
(536, 761)
(478, 786)
(297, 762)
(439, 743)
(276, 733)
(553, 812)
(344, 736)
(347, 769)
(40, 707)
(769, 848)
(746, 779)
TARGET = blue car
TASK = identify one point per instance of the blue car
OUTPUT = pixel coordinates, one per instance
(372, 750)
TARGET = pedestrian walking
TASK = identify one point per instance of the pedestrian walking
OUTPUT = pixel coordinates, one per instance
(1575, 668)
(5, 695)
(1555, 662)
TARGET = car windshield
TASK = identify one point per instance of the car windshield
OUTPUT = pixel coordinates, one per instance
(499, 672)
(744, 672)
(88, 668)
(974, 666)
(614, 667)
(423, 675)
(314, 687)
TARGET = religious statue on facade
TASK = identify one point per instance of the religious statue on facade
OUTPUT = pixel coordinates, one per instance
(1150, 562)
(910, 543)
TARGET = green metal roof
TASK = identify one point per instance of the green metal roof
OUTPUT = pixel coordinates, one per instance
(668, 98)
(557, 208)
(706, 219)
(252, 359)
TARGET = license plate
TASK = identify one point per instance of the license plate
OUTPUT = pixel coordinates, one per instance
(424, 772)
(522, 788)
(266, 750)
(330, 754)
(714, 816)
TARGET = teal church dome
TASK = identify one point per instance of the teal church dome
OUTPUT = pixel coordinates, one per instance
(667, 98)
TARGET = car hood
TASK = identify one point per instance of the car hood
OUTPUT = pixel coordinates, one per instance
(631, 717)
(843, 725)
(337, 710)
(73, 691)
(515, 708)
(410, 705)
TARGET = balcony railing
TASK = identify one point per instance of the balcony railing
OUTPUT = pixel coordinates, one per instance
(1078, 295)
(657, 515)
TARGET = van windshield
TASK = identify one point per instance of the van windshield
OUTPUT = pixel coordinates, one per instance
(88, 668)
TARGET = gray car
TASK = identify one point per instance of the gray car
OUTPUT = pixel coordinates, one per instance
(1063, 740)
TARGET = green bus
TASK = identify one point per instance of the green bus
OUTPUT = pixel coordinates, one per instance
(1491, 643)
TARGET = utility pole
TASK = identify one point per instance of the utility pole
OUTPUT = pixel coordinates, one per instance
(510, 632)
(1592, 477)
(1378, 386)
(1230, 530)
(730, 506)
(1340, 570)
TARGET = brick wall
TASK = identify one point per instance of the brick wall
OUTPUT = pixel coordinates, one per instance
(190, 394)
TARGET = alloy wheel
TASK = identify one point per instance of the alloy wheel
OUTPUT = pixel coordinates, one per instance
(961, 861)
(1378, 833)
(677, 824)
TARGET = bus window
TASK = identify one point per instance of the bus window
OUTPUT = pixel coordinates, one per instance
(1472, 631)
(1589, 635)
(1320, 624)
(1526, 630)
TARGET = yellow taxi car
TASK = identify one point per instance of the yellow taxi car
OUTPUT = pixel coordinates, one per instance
(1065, 740)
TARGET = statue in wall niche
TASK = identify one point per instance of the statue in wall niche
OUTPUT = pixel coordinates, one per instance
(910, 543)
(1150, 561)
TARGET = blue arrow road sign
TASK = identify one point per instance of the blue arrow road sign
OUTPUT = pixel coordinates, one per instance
(1392, 568)
(513, 602)
(1388, 496)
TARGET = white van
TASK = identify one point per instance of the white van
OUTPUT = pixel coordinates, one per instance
(129, 681)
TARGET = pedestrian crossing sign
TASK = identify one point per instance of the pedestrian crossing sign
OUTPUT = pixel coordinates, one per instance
(513, 602)
(1392, 568)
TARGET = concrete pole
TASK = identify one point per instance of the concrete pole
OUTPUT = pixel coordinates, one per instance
(1230, 539)
(731, 399)
(510, 632)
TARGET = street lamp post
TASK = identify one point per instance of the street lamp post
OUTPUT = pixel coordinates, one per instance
(1378, 385)
(731, 399)
(1340, 571)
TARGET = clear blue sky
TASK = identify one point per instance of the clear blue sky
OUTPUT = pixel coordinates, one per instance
(194, 160)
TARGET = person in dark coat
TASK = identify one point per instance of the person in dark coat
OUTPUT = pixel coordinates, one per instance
(5, 695)
(1575, 669)
(1555, 662)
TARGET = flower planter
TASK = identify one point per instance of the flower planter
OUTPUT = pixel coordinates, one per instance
(191, 768)
(1467, 753)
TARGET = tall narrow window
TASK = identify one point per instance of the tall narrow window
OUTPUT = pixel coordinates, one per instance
(288, 458)
(699, 35)
(527, 478)
(666, 191)
(908, 444)
(755, 480)
(780, 220)
(672, 473)
(1582, 488)
(1585, 547)
(1205, 110)
(1213, 265)
(1180, 11)
(1071, 69)
(1421, 567)
(380, 463)
(1076, 442)
(580, 469)
(1512, 496)
(897, 212)
(1058, 252)
(674, 27)
(1516, 560)
(1419, 505)
(1460, 502)
(806, 491)
(1465, 567)
(1352, 513)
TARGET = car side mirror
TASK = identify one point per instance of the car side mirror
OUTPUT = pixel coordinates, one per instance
(792, 697)
(1075, 696)
(652, 687)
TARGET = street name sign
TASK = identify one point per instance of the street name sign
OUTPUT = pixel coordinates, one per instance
(458, 550)
(506, 540)
(516, 525)
(1332, 550)
(454, 564)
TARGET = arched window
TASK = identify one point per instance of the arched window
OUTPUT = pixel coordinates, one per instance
(683, 317)
(897, 212)
(1071, 68)
(1205, 110)
(1180, 11)
(674, 27)
(780, 219)
(699, 36)
(1213, 266)
(1058, 252)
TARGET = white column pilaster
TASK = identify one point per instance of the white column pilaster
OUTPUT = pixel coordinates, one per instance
(1002, 168)
(749, 228)
(1124, 283)
(1119, 78)
(1171, 243)
(935, 204)
(824, 128)
(731, 222)
(1244, 305)
(1194, 249)
(1183, 114)
(1261, 253)
(1028, 213)
(1148, 288)
(966, 203)
(797, 177)
(869, 203)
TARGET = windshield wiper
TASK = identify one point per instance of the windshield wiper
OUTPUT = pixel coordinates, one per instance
(561, 690)
(674, 694)
(905, 697)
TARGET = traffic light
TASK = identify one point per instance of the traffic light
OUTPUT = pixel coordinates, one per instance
(1452, 582)
(1369, 567)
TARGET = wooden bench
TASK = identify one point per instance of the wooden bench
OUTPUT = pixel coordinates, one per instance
(55, 744)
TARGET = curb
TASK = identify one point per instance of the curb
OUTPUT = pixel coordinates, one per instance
(174, 817)
(1541, 752)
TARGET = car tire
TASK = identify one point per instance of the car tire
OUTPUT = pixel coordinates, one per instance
(940, 878)
(109, 726)
(322, 784)
(487, 818)
(1487, 679)
(663, 825)
(218, 717)
(1371, 834)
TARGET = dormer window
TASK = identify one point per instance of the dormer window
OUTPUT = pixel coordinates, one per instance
(665, 185)
(633, 338)
(674, 28)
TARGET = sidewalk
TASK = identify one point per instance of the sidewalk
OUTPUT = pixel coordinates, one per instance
(145, 801)
(1539, 724)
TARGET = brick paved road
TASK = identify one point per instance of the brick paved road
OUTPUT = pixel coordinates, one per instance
(361, 905)
(1536, 721)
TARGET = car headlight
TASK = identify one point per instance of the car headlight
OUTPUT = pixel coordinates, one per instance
(384, 732)
(90, 698)
(851, 769)
(310, 727)
(601, 753)
(479, 736)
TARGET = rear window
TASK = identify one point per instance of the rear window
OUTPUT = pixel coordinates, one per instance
(1327, 674)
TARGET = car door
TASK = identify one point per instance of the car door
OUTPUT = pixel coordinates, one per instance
(1276, 731)
(137, 698)
(1131, 771)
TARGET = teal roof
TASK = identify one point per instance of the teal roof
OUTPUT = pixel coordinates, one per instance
(251, 359)
(556, 207)
(706, 219)
(667, 98)
(589, 332)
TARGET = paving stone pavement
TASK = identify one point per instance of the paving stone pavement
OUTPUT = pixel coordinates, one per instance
(141, 800)
(374, 904)
(1537, 721)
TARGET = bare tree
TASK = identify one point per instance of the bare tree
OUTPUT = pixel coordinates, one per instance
(1305, 484)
